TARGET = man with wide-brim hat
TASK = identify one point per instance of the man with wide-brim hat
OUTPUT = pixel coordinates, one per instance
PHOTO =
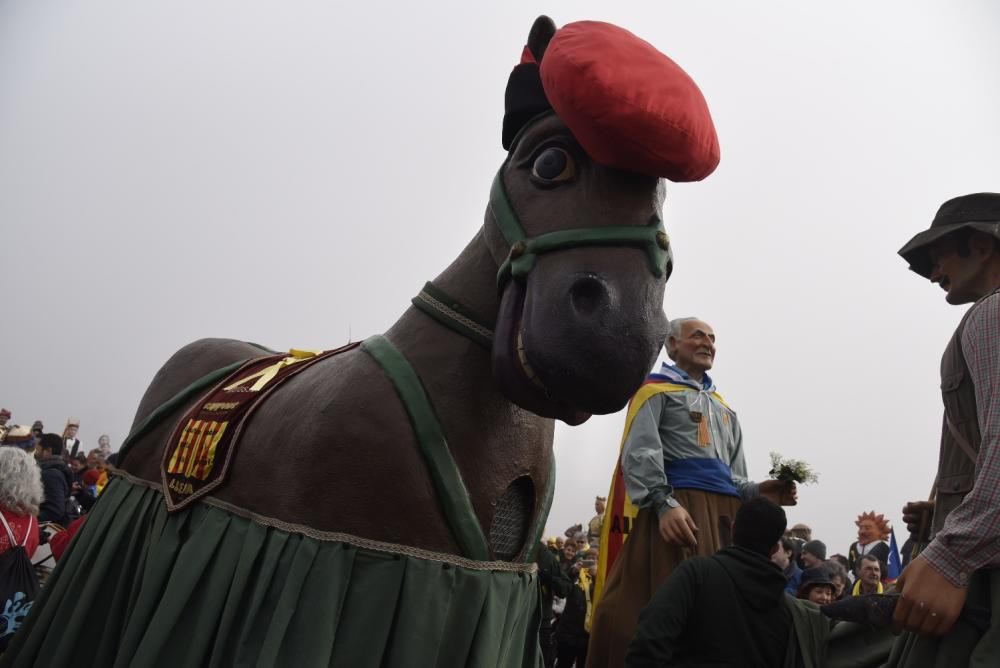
(955, 221)
(961, 526)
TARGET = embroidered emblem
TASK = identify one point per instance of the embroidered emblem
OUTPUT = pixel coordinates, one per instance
(201, 448)
(195, 452)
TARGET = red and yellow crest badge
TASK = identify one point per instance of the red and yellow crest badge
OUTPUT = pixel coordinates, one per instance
(200, 450)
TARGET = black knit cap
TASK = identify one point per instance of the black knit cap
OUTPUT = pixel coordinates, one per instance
(979, 211)
(758, 525)
(817, 548)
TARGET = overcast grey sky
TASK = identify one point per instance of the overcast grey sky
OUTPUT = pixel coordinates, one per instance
(291, 173)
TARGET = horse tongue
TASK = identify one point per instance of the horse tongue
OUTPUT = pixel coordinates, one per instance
(505, 362)
(507, 369)
(576, 417)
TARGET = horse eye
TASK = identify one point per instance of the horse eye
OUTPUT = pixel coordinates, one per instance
(554, 165)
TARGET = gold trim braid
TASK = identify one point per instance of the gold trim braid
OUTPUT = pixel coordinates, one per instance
(449, 312)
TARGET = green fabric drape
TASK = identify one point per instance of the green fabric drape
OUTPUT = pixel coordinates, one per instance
(207, 587)
(809, 633)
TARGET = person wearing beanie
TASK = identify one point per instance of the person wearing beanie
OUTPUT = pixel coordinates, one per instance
(738, 590)
(813, 553)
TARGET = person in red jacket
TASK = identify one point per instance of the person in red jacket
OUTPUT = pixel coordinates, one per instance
(20, 497)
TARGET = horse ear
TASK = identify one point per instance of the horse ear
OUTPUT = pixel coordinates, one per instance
(538, 38)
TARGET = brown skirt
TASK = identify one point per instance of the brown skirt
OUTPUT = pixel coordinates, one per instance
(644, 563)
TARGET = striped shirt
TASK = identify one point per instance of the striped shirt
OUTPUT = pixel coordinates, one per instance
(970, 538)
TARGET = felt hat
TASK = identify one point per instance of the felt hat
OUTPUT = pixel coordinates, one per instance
(813, 577)
(629, 106)
(979, 211)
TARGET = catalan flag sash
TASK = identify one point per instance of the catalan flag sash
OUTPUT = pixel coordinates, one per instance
(620, 512)
(201, 447)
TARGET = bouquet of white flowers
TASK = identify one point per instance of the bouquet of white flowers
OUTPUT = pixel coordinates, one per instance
(792, 470)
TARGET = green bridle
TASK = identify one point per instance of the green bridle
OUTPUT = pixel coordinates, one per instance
(524, 250)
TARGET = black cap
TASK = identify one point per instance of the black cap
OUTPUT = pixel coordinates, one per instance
(979, 211)
(817, 548)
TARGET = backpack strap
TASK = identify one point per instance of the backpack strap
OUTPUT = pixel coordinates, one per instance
(10, 534)
(27, 532)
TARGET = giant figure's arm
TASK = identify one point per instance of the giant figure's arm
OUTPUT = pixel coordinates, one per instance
(970, 538)
(662, 621)
(738, 466)
(642, 460)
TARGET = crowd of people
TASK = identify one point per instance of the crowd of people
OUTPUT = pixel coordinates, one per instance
(72, 476)
(569, 568)
(48, 484)
(698, 529)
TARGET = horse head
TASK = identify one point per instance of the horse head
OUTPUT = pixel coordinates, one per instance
(575, 224)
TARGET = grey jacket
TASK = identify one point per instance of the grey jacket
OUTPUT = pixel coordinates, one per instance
(666, 429)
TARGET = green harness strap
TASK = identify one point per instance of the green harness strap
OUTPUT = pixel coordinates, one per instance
(444, 472)
(171, 404)
(524, 250)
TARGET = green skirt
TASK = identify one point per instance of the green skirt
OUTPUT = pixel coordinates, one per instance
(208, 586)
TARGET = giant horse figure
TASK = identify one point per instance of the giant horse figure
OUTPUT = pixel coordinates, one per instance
(379, 504)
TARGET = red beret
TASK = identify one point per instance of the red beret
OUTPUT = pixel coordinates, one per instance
(628, 105)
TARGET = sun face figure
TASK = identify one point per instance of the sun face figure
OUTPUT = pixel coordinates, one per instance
(872, 527)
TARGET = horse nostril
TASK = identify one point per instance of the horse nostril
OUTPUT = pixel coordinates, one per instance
(588, 294)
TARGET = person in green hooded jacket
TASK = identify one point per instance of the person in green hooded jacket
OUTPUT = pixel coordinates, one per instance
(737, 594)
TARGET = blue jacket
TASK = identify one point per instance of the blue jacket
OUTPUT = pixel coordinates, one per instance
(794, 577)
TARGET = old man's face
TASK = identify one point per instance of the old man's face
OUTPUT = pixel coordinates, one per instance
(695, 349)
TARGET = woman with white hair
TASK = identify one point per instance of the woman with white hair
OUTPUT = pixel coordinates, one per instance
(20, 496)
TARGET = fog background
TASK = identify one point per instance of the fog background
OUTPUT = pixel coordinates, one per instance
(291, 173)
